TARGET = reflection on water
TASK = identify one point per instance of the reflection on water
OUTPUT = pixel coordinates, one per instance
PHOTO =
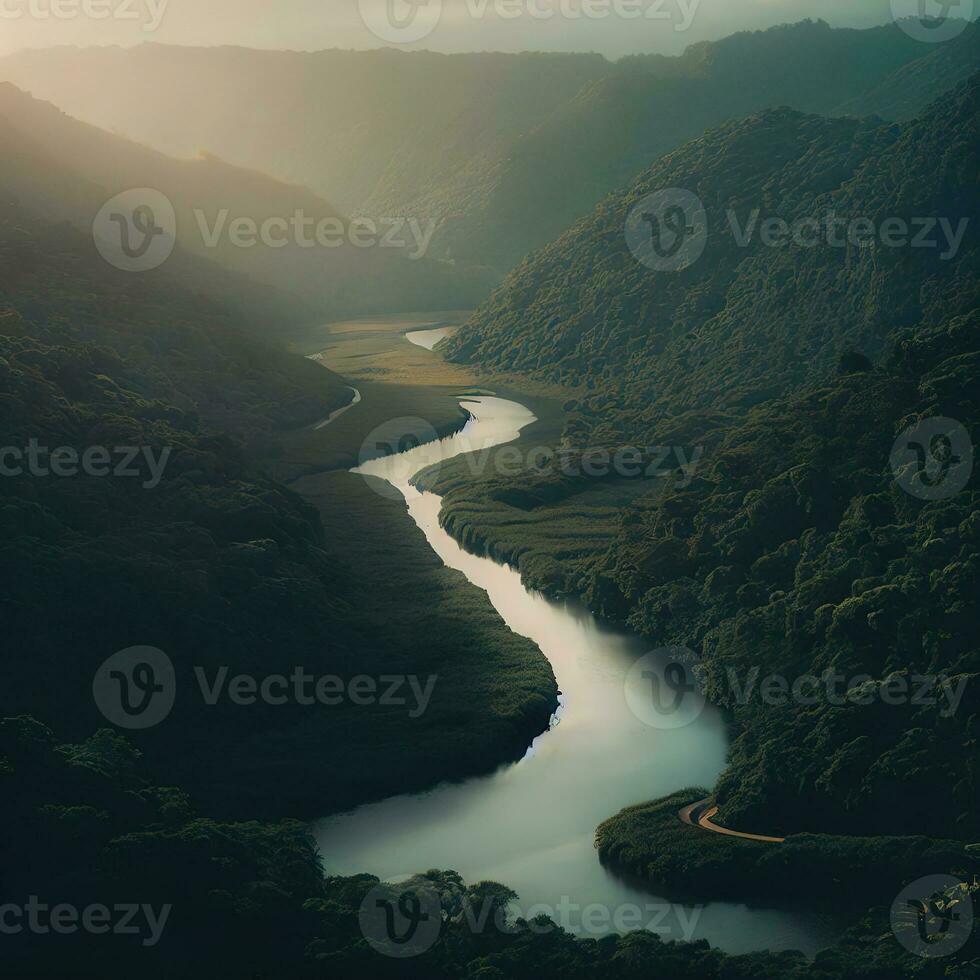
(531, 825)
(429, 338)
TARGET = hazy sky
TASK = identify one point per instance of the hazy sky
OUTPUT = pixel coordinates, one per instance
(615, 27)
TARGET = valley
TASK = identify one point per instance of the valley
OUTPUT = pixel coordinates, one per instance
(584, 584)
(573, 772)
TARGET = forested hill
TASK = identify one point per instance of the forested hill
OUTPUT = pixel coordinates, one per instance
(146, 518)
(907, 91)
(748, 320)
(797, 548)
(65, 169)
(647, 106)
(505, 152)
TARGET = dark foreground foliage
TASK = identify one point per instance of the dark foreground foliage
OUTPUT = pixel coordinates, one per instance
(248, 900)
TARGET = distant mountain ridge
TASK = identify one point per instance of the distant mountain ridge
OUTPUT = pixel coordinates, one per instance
(910, 89)
(504, 152)
(64, 169)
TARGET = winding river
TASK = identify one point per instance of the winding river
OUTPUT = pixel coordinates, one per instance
(531, 824)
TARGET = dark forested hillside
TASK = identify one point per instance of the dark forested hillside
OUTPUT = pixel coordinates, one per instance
(798, 552)
(504, 152)
(796, 548)
(752, 316)
(237, 899)
(198, 552)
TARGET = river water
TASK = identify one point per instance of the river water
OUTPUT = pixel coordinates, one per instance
(531, 825)
(337, 412)
(429, 338)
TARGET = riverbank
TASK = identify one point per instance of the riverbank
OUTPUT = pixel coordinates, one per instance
(595, 759)
(397, 381)
(495, 691)
(401, 834)
(650, 841)
(557, 531)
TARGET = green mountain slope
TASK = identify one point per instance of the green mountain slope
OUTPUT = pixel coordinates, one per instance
(906, 92)
(793, 548)
(615, 127)
(504, 152)
(748, 319)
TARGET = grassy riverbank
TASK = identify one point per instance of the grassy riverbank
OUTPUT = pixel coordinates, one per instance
(495, 690)
(407, 381)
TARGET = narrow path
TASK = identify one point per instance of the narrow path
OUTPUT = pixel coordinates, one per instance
(699, 815)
